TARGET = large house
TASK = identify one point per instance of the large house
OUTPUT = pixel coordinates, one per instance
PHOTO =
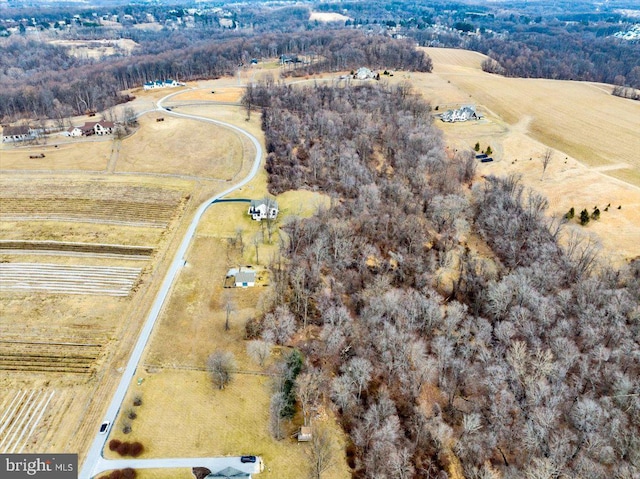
(17, 133)
(263, 209)
(152, 85)
(92, 128)
(465, 113)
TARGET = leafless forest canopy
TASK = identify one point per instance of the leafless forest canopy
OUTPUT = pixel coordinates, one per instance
(42, 80)
(521, 361)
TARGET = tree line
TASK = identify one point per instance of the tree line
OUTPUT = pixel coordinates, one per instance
(54, 85)
(518, 362)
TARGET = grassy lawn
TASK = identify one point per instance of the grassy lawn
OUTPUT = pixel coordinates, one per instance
(183, 414)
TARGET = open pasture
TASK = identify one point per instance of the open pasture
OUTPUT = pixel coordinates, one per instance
(593, 137)
(62, 154)
(222, 93)
(179, 146)
(580, 119)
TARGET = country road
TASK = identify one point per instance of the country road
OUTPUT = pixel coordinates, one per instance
(95, 463)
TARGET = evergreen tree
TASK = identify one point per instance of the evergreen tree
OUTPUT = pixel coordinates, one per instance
(584, 217)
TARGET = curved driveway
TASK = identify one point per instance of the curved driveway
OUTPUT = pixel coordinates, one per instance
(94, 462)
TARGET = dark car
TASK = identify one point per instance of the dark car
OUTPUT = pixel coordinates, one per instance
(248, 459)
(104, 427)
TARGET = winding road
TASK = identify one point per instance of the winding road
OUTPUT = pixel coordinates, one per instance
(95, 463)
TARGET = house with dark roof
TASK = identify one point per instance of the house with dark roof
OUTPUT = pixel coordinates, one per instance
(17, 133)
(97, 128)
(263, 209)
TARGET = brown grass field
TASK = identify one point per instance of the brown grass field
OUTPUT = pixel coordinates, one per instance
(181, 147)
(592, 133)
(176, 390)
(88, 155)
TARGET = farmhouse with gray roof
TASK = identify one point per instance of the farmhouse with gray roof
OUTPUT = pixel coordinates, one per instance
(466, 113)
(263, 209)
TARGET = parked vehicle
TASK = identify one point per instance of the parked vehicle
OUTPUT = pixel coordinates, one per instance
(104, 427)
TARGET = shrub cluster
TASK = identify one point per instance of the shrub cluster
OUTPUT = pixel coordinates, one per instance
(125, 448)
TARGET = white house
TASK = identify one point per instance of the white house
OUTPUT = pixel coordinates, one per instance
(240, 278)
(74, 131)
(17, 133)
(465, 113)
(364, 73)
(93, 128)
(103, 128)
(263, 209)
(151, 85)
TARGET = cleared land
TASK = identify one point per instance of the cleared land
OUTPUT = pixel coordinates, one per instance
(327, 17)
(181, 146)
(581, 119)
(592, 133)
(60, 155)
(97, 48)
(177, 392)
(66, 233)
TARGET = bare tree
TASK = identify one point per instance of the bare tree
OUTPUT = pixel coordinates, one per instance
(276, 407)
(259, 351)
(322, 451)
(546, 159)
(221, 365)
(229, 308)
(359, 372)
(308, 387)
(279, 326)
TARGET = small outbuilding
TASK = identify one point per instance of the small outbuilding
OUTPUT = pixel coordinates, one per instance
(243, 277)
(305, 434)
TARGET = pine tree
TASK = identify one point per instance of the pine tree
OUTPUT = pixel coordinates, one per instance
(584, 217)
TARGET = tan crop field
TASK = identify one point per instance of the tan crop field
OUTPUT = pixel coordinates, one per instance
(581, 119)
(88, 155)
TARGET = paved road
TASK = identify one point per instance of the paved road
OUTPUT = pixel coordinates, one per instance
(94, 462)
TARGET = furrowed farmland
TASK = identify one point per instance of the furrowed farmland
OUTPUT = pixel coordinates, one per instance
(81, 257)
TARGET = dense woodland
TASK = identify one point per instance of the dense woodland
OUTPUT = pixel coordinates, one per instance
(34, 90)
(519, 362)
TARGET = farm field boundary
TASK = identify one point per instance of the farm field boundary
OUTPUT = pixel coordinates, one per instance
(61, 247)
(68, 279)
